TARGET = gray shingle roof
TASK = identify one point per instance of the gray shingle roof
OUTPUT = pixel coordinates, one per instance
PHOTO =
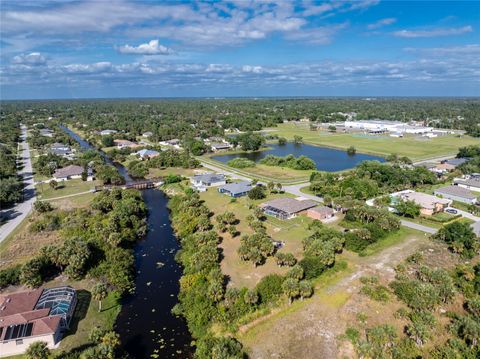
(236, 188)
(209, 178)
(456, 191)
(290, 205)
(68, 171)
(473, 182)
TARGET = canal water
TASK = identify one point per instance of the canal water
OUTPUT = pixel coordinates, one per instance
(326, 159)
(145, 324)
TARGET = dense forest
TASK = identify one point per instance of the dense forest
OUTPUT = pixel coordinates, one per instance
(10, 184)
(170, 118)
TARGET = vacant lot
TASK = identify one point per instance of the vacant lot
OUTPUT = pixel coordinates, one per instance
(411, 146)
(65, 188)
(311, 329)
(243, 273)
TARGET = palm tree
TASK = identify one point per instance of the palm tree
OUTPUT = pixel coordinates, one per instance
(100, 292)
(291, 289)
(37, 350)
(270, 186)
(305, 288)
(279, 187)
(251, 296)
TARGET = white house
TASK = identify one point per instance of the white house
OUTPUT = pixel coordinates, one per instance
(107, 132)
(208, 180)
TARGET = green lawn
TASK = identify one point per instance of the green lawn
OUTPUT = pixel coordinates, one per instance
(411, 146)
(393, 238)
(65, 188)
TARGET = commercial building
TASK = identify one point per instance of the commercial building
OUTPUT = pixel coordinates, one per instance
(457, 193)
(35, 315)
(429, 204)
(235, 189)
(381, 126)
(286, 208)
(321, 213)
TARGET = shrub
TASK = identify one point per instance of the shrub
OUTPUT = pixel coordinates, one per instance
(42, 206)
(256, 192)
(10, 276)
(269, 288)
(241, 163)
(312, 266)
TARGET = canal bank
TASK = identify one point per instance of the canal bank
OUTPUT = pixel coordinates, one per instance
(145, 324)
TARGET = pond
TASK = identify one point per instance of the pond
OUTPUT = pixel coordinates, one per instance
(326, 159)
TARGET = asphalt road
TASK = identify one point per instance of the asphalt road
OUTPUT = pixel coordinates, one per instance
(17, 214)
(418, 227)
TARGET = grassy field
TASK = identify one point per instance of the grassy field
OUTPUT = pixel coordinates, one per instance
(243, 273)
(411, 146)
(157, 172)
(65, 188)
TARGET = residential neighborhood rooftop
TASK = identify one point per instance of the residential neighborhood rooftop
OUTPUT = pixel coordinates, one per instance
(456, 191)
(425, 200)
(290, 205)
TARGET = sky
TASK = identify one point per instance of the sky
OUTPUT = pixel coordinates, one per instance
(240, 48)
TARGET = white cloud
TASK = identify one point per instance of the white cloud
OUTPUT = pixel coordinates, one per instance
(382, 22)
(152, 48)
(33, 59)
(452, 51)
(433, 32)
(317, 35)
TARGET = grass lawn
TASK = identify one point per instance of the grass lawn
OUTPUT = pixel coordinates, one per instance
(243, 273)
(65, 188)
(410, 146)
(393, 238)
(277, 173)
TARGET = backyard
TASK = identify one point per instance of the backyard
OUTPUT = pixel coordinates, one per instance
(416, 148)
(65, 188)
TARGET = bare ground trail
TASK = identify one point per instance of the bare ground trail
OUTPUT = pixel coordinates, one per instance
(312, 329)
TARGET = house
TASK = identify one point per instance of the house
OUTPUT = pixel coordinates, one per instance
(471, 183)
(107, 132)
(125, 144)
(35, 315)
(72, 172)
(396, 134)
(286, 208)
(457, 193)
(208, 180)
(236, 189)
(321, 213)
(147, 134)
(443, 168)
(171, 143)
(429, 204)
(455, 161)
(45, 132)
(220, 146)
(60, 149)
(146, 154)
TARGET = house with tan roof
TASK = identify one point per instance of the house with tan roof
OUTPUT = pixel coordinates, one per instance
(429, 204)
(34, 315)
(286, 208)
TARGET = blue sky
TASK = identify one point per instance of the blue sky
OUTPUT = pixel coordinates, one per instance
(122, 48)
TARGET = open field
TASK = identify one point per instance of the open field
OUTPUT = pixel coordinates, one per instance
(410, 146)
(65, 188)
(243, 273)
(186, 172)
(312, 328)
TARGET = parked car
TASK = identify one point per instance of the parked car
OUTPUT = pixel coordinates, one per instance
(451, 211)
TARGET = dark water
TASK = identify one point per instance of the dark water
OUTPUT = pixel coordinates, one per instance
(326, 159)
(145, 323)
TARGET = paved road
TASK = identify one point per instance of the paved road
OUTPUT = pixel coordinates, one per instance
(18, 213)
(418, 227)
(466, 214)
(292, 189)
(435, 159)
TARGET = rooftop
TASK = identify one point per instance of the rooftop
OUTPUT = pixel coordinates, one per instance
(456, 191)
(324, 210)
(239, 187)
(209, 177)
(425, 200)
(290, 205)
(474, 182)
(71, 170)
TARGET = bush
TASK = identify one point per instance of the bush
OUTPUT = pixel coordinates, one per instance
(256, 192)
(42, 206)
(172, 178)
(312, 267)
(10, 276)
(241, 163)
(269, 289)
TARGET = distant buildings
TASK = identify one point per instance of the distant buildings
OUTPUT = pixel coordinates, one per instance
(147, 134)
(107, 132)
(35, 315)
(45, 132)
(220, 146)
(457, 193)
(286, 208)
(125, 144)
(321, 213)
(175, 143)
(236, 189)
(381, 126)
(62, 150)
(471, 183)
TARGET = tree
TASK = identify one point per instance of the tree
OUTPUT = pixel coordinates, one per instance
(297, 139)
(99, 292)
(460, 238)
(351, 151)
(296, 272)
(251, 296)
(38, 350)
(256, 192)
(279, 187)
(332, 128)
(407, 208)
(53, 184)
(306, 289)
(270, 186)
(282, 141)
(291, 289)
(107, 141)
(42, 206)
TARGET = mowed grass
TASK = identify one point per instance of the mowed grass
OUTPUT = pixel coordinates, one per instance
(162, 172)
(280, 173)
(243, 273)
(65, 188)
(411, 146)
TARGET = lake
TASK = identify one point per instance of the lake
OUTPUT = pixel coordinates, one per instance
(327, 159)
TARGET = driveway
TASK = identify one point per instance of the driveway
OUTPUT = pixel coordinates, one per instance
(418, 227)
(19, 212)
(466, 214)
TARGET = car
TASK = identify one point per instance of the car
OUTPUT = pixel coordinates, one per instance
(451, 211)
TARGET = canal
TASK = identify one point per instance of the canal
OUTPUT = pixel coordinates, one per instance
(145, 324)
(326, 159)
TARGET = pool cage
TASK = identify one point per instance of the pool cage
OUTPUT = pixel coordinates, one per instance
(61, 301)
